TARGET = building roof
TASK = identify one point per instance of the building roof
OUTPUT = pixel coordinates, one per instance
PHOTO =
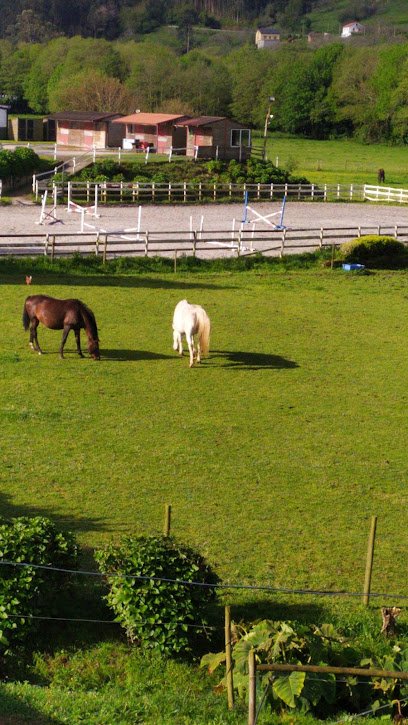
(150, 119)
(92, 116)
(354, 22)
(268, 30)
(201, 121)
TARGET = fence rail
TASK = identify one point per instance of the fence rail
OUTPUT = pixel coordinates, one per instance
(195, 192)
(243, 241)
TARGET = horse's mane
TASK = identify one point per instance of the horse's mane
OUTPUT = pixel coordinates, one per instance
(89, 319)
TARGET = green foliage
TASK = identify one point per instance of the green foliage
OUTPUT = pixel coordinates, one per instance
(157, 613)
(374, 250)
(21, 162)
(295, 643)
(26, 591)
(252, 171)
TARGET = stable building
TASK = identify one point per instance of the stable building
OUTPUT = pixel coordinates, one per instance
(30, 128)
(4, 121)
(86, 129)
(157, 131)
(216, 137)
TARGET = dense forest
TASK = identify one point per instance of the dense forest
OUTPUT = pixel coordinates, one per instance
(335, 90)
(40, 20)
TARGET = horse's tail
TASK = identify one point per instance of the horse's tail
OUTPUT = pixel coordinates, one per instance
(89, 321)
(204, 331)
(26, 317)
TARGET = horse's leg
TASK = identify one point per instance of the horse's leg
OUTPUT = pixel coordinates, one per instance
(190, 343)
(34, 344)
(78, 342)
(198, 351)
(64, 339)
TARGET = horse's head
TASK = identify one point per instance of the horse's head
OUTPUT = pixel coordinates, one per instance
(93, 349)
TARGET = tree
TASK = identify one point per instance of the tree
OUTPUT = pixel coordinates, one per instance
(204, 84)
(354, 93)
(90, 91)
(152, 76)
(247, 68)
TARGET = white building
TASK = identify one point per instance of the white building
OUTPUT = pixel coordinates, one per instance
(353, 28)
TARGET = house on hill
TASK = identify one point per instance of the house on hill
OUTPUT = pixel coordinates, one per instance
(85, 129)
(353, 28)
(154, 130)
(267, 37)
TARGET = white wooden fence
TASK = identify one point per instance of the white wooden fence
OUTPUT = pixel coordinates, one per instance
(381, 193)
(83, 192)
(193, 243)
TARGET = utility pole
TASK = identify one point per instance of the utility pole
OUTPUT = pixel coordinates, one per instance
(267, 119)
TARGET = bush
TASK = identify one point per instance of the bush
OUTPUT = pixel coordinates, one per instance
(156, 612)
(373, 249)
(26, 590)
(21, 162)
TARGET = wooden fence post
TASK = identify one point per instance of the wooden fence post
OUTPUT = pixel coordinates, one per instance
(167, 519)
(228, 659)
(369, 561)
(251, 688)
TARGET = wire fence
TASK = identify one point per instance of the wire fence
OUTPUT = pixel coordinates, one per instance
(217, 585)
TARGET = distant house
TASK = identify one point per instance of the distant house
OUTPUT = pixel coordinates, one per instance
(267, 37)
(30, 128)
(85, 129)
(216, 137)
(3, 121)
(353, 28)
(155, 130)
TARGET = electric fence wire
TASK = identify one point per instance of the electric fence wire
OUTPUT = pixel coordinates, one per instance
(215, 585)
(373, 711)
(98, 621)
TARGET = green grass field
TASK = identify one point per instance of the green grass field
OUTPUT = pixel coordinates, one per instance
(339, 161)
(274, 453)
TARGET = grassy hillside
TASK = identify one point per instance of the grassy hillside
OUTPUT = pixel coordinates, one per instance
(325, 18)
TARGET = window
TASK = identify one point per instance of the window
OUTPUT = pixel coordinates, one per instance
(240, 137)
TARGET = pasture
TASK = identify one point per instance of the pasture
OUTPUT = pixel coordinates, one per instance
(274, 452)
(339, 161)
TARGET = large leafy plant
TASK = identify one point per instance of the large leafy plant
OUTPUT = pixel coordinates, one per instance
(291, 642)
(149, 591)
(26, 591)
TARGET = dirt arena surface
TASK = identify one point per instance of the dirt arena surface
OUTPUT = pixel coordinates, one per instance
(22, 217)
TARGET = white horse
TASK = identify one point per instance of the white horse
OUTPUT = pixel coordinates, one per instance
(190, 320)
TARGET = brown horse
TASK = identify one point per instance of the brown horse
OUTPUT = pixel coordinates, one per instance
(63, 315)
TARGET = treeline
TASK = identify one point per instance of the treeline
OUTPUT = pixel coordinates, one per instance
(40, 20)
(336, 90)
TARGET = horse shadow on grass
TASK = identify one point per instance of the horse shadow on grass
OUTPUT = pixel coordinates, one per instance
(252, 360)
(124, 355)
